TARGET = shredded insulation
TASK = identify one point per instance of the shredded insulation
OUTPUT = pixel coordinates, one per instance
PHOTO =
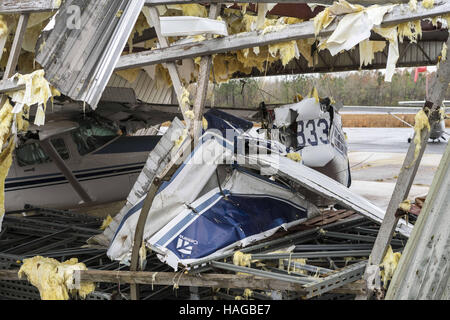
(405, 206)
(106, 222)
(11, 122)
(314, 94)
(367, 50)
(130, 75)
(3, 27)
(37, 91)
(322, 20)
(5, 164)
(287, 51)
(195, 10)
(243, 7)
(413, 5)
(162, 76)
(3, 34)
(298, 97)
(428, 4)
(388, 266)
(295, 156)
(6, 118)
(247, 293)
(184, 101)
(54, 279)
(411, 30)
(421, 122)
(242, 259)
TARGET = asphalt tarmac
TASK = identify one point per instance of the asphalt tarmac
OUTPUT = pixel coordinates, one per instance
(376, 157)
(387, 140)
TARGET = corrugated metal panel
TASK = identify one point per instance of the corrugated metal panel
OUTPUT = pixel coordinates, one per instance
(423, 271)
(145, 88)
(80, 52)
(423, 53)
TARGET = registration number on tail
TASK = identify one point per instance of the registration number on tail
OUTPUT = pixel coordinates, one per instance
(313, 132)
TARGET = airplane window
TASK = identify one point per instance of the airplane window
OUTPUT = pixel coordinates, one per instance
(90, 136)
(32, 153)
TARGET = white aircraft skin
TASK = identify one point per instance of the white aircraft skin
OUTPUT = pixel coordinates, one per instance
(107, 174)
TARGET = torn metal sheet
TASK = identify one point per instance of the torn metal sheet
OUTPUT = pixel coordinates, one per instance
(248, 208)
(146, 88)
(81, 50)
(324, 186)
(157, 160)
(119, 95)
(191, 26)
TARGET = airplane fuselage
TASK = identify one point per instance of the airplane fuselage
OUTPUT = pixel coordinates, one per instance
(107, 173)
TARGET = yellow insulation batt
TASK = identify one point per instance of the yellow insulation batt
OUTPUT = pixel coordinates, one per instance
(3, 27)
(314, 94)
(242, 259)
(106, 222)
(428, 4)
(322, 20)
(405, 206)
(162, 76)
(389, 265)
(3, 34)
(295, 156)
(184, 100)
(367, 50)
(54, 279)
(6, 122)
(37, 91)
(287, 51)
(195, 10)
(411, 30)
(421, 122)
(6, 118)
(247, 293)
(5, 164)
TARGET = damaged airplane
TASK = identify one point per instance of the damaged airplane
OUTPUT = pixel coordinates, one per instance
(235, 186)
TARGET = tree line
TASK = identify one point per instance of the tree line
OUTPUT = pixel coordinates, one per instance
(361, 88)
